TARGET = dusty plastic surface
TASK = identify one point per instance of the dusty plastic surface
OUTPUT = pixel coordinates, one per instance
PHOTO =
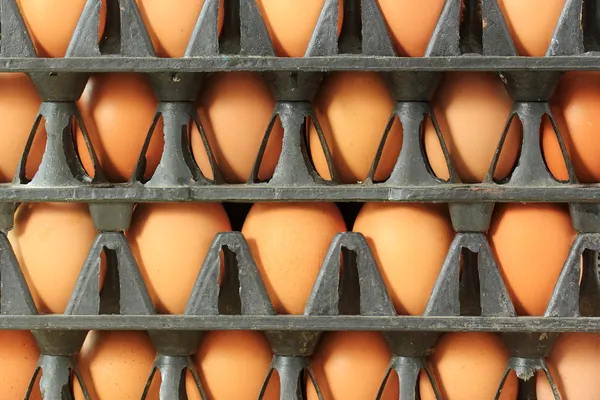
(358, 299)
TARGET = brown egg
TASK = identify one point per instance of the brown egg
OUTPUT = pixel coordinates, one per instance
(291, 23)
(233, 365)
(353, 109)
(170, 242)
(469, 365)
(51, 23)
(51, 242)
(170, 28)
(410, 243)
(235, 111)
(291, 240)
(18, 359)
(531, 23)
(352, 365)
(531, 243)
(573, 364)
(472, 109)
(411, 23)
(118, 110)
(116, 365)
(574, 108)
(19, 105)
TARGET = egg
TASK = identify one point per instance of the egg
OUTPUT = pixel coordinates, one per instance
(18, 360)
(469, 365)
(233, 365)
(574, 109)
(291, 23)
(116, 365)
(235, 110)
(289, 242)
(118, 110)
(51, 242)
(411, 23)
(170, 28)
(352, 365)
(19, 105)
(573, 364)
(472, 110)
(353, 109)
(409, 243)
(531, 243)
(531, 23)
(51, 23)
(169, 242)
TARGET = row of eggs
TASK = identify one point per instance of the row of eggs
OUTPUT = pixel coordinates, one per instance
(353, 109)
(346, 365)
(410, 242)
(290, 23)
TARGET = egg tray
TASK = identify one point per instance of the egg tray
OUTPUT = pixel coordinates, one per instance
(348, 294)
(356, 299)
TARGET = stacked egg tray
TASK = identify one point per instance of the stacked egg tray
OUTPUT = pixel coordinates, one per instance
(356, 299)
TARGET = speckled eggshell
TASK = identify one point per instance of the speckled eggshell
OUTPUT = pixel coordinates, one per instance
(170, 242)
(235, 111)
(51, 23)
(170, 28)
(573, 363)
(531, 243)
(472, 110)
(354, 109)
(233, 365)
(291, 23)
(51, 242)
(289, 242)
(118, 110)
(116, 365)
(18, 359)
(352, 365)
(410, 243)
(469, 365)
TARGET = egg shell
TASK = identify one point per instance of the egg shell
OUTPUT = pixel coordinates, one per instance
(51, 23)
(170, 242)
(409, 243)
(235, 110)
(291, 23)
(291, 240)
(118, 110)
(411, 23)
(352, 365)
(531, 243)
(469, 365)
(574, 107)
(170, 28)
(18, 360)
(51, 242)
(233, 365)
(19, 105)
(116, 365)
(573, 363)
(353, 109)
(531, 23)
(472, 110)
